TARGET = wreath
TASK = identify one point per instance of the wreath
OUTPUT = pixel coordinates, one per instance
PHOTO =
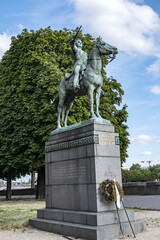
(107, 188)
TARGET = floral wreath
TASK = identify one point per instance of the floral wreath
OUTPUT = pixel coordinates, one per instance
(107, 188)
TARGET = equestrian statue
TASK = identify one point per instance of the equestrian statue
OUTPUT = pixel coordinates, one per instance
(85, 79)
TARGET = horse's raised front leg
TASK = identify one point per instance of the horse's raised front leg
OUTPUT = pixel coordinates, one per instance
(98, 94)
(90, 95)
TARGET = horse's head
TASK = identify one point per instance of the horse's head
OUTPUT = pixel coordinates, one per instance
(106, 49)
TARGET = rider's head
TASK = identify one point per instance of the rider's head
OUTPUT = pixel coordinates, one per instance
(78, 43)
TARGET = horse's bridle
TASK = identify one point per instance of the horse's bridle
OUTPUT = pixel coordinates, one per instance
(112, 58)
(109, 57)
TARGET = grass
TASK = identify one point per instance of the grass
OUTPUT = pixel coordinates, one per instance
(15, 214)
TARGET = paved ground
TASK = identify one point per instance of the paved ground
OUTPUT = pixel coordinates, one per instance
(19, 197)
(144, 202)
(152, 219)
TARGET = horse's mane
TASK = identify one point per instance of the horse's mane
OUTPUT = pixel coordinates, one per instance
(91, 52)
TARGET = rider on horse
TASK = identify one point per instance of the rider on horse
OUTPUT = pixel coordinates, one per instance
(79, 61)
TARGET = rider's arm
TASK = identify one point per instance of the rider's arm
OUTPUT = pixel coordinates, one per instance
(73, 46)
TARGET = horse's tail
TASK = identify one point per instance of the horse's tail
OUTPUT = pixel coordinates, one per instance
(103, 94)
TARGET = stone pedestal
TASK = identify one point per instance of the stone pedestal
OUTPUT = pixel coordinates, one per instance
(78, 159)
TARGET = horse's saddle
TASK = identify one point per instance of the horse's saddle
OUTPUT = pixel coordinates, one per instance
(67, 76)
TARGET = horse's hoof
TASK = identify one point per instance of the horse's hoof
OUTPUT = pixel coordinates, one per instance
(93, 116)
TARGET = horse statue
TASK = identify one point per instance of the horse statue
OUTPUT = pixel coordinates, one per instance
(91, 81)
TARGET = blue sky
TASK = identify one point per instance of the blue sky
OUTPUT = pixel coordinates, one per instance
(133, 26)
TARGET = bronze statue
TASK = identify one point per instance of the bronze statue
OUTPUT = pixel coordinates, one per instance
(85, 79)
(80, 62)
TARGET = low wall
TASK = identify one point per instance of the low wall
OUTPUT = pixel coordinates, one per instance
(22, 191)
(130, 188)
(141, 188)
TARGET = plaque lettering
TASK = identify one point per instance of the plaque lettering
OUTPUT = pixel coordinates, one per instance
(106, 140)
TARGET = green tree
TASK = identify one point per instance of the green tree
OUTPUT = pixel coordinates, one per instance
(155, 170)
(136, 166)
(146, 175)
(30, 72)
(136, 174)
(125, 175)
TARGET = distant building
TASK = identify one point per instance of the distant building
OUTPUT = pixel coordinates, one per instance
(125, 168)
(146, 167)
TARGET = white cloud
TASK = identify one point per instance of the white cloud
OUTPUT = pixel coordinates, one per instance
(129, 26)
(5, 41)
(147, 153)
(155, 89)
(20, 26)
(155, 68)
(143, 139)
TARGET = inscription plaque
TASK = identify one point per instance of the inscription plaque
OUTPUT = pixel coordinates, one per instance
(71, 171)
(106, 140)
(67, 172)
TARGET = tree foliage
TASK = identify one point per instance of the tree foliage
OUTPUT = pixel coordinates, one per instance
(30, 72)
(137, 174)
(155, 170)
(136, 166)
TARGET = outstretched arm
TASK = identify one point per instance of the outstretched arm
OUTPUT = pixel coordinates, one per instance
(73, 46)
(72, 43)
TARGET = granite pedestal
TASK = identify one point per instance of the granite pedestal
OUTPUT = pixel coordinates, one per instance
(78, 159)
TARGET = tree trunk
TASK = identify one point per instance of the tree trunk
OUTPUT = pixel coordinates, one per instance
(33, 180)
(9, 183)
(40, 192)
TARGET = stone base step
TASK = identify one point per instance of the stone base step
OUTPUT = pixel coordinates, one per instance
(84, 217)
(105, 232)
